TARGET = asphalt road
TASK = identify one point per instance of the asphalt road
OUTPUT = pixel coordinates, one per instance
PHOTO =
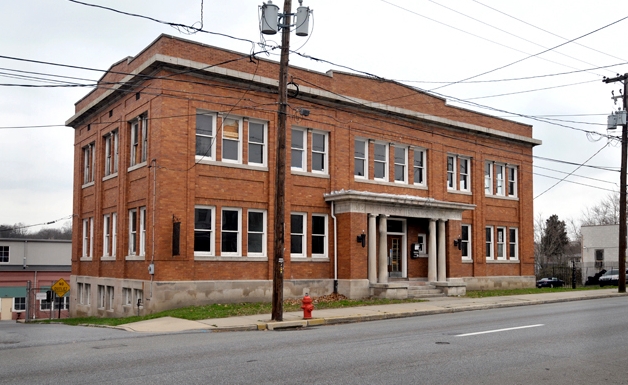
(582, 342)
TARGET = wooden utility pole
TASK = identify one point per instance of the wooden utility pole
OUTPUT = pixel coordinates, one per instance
(280, 183)
(622, 188)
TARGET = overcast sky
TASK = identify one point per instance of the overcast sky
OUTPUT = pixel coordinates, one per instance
(424, 43)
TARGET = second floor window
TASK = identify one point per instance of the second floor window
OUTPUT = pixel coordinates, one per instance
(319, 152)
(380, 159)
(298, 145)
(451, 172)
(458, 173)
(401, 160)
(419, 166)
(205, 123)
(231, 140)
(257, 143)
(360, 157)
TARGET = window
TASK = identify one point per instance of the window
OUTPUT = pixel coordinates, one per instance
(465, 174)
(101, 296)
(360, 155)
(419, 166)
(465, 242)
(19, 304)
(106, 235)
(84, 292)
(501, 246)
(111, 153)
(489, 242)
(451, 172)
(230, 232)
(511, 172)
(401, 160)
(297, 235)
(488, 178)
(299, 142)
(88, 293)
(133, 232)
(139, 140)
(513, 243)
(88, 163)
(62, 303)
(127, 296)
(142, 231)
(380, 159)
(319, 235)
(4, 254)
(499, 179)
(88, 237)
(231, 139)
(205, 123)
(114, 232)
(139, 295)
(421, 238)
(257, 143)
(256, 234)
(319, 152)
(80, 289)
(203, 230)
(599, 258)
(109, 299)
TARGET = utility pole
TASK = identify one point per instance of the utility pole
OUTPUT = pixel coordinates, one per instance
(622, 182)
(271, 22)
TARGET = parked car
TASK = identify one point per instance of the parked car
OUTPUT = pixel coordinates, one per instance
(550, 282)
(611, 278)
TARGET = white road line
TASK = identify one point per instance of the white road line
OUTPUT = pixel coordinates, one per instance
(499, 330)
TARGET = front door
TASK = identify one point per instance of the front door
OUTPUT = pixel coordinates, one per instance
(394, 256)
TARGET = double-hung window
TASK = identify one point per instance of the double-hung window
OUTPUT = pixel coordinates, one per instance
(142, 247)
(380, 161)
(465, 174)
(451, 172)
(298, 147)
(257, 143)
(458, 173)
(4, 254)
(319, 152)
(19, 304)
(319, 235)
(419, 167)
(111, 153)
(205, 135)
(106, 235)
(256, 234)
(513, 243)
(89, 162)
(139, 140)
(511, 173)
(488, 178)
(499, 179)
(204, 230)
(401, 164)
(133, 232)
(501, 243)
(465, 242)
(88, 237)
(489, 242)
(231, 140)
(360, 157)
(297, 234)
(230, 240)
(114, 233)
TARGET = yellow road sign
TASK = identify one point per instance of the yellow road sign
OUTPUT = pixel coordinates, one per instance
(61, 287)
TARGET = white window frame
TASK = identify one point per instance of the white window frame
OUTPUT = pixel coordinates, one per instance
(488, 230)
(364, 160)
(303, 151)
(3, 250)
(114, 233)
(488, 178)
(451, 172)
(515, 243)
(238, 121)
(500, 241)
(263, 233)
(89, 163)
(106, 235)
(466, 241)
(511, 182)
(212, 137)
(263, 143)
(385, 161)
(421, 166)
(238, 252)
(85, 245)
(91, 237)
(212, 231)
(464, 178)
(111, 153)
(142, 218)
(404, 165)
(134, 142)
(324, 153)
(303, 236)
(14, 309)
(500, 179)
(324, 236)
(144, 154)
(132, 232)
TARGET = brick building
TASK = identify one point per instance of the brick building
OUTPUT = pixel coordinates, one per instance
(174, 186)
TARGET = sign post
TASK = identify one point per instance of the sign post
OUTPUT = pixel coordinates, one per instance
(61, 287)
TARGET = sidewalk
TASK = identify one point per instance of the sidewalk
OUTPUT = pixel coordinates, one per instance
(363, 313)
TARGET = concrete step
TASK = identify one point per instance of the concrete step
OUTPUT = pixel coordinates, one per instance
(415, 292)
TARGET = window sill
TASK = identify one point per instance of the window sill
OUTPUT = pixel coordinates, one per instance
(134, 258)
(86, 185)
(452, 191)
(397, 184)
(230, 259)
(314, 174)
(256, 167)
(85, 259)
(110, 176)
(508, 198)
(469, 261)
(135, 167)
(308, 259)
(506, 261)
(107, 258)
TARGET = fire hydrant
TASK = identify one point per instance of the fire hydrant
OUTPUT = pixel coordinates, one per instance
(306, 305)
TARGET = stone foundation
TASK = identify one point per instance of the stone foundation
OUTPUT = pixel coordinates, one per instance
(500, 282)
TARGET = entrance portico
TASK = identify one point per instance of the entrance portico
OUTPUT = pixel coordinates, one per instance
(387, 252)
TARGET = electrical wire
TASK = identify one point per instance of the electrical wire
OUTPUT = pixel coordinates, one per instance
(38, 224)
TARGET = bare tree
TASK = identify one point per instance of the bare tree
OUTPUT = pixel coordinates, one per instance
(606, 212)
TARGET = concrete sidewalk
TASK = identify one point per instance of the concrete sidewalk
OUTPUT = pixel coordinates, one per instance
(363, 313)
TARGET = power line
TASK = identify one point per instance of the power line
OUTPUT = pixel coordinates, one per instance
(38, 224)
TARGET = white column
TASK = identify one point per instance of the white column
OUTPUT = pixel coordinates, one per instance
(372, 252)
(431, 253)
(383, 250)
(442, 268)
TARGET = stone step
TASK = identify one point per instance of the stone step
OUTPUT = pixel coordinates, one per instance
(420, 296)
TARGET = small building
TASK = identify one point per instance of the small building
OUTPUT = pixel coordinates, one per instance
(28, 267)
(600, 249)
(388, 188)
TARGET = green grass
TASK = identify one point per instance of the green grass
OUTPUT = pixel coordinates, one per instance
(534, 290)
(224, 311)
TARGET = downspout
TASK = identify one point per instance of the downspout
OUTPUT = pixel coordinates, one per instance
(152, 257)
(333, 215)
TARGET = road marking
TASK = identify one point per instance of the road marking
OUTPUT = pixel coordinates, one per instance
(499, 330)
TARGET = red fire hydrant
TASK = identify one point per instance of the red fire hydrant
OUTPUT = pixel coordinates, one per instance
(306, 305)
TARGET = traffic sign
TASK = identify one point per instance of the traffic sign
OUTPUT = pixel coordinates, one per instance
(60, 287)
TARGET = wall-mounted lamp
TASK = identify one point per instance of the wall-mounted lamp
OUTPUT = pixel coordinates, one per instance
(362, 239)
(304, 111)
(458, 242)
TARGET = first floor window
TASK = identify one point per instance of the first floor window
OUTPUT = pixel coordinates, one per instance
(114, 232)
(88, 237)
(127, 296)
(256, 233)
(204, 230)
(142, 230)
(133, 232)
(297, 235)
(513, 243)
(106, 235)
(230, 232)
(465, 241)
(319, 235)
(4, 254)
(109, 299)
(19, 303)
(489, 242)
(84, 292)
(501, 245)
(360, 158)
(138, 294)
(101, 296)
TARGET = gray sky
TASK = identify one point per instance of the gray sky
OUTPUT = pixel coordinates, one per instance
(420, 42)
